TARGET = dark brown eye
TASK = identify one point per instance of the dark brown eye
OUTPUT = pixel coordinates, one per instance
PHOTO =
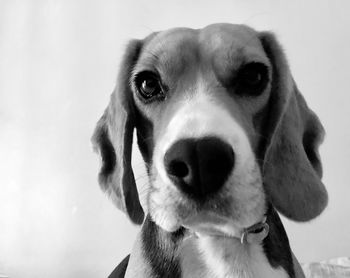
(148, 85)
(252, 79)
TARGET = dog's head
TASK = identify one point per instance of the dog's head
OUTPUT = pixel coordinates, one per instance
(222, 128)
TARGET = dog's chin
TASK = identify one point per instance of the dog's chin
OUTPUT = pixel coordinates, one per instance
(207, 224)
(213, 225)
(201, 226)
(204, 230)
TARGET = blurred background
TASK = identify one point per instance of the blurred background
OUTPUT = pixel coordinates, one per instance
(58, 65)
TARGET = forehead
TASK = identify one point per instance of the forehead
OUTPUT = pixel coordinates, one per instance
(220, 45)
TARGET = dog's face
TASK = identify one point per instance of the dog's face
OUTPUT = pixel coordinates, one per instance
(222, 129)
(206, 89)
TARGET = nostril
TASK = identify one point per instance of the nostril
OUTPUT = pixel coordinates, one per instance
(178, 168)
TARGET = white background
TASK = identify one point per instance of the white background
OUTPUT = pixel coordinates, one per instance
(58, 63)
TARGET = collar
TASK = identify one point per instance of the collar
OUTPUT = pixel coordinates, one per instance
(256, 233)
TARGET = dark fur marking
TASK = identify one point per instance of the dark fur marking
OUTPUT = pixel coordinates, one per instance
(276, 244)
(119, 271)
(145, 140)
(107, 153)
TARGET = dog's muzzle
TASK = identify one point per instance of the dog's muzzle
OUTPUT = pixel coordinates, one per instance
(199, 168)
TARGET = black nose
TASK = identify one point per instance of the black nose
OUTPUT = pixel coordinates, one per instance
(199, 166)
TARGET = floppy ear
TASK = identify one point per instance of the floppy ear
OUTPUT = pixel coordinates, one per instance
(292, 169)
(113, 137)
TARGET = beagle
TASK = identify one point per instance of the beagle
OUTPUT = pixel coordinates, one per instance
(227, 140)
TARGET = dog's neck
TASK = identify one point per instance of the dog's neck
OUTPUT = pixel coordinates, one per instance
(226, 257)
(176, 255)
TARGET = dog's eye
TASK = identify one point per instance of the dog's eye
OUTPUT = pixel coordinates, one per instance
(252, 79)
(148, 85)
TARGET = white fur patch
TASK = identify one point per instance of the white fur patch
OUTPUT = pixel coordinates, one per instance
(225, 258)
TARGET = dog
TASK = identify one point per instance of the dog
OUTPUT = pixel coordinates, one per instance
(227, 140)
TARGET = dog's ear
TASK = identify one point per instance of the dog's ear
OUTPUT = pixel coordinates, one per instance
(292, 169)
(113, 138)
